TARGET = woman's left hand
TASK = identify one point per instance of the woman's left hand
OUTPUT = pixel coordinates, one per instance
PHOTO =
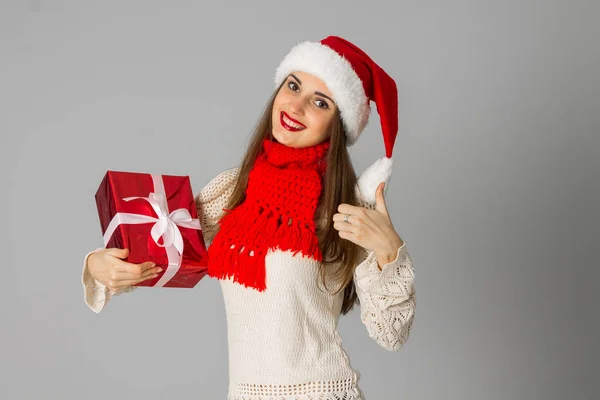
(371, 229)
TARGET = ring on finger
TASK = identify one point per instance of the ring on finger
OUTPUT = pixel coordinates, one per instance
(346, 218)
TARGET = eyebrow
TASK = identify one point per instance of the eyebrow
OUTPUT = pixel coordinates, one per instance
(324, 95)
(317, 93)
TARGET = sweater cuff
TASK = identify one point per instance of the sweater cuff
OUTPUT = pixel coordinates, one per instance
(371, 279)
(399, 252)
(95, 294)
(370, 266)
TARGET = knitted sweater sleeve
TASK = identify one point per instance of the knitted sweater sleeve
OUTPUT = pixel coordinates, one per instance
(387, 297)
(212, 199)
(209, 202)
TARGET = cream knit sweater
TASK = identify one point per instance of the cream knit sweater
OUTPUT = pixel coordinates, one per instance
(284, 342)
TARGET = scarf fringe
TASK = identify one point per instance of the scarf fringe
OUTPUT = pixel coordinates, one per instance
(267, 231)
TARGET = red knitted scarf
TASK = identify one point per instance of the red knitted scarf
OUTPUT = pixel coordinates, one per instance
(284, 186)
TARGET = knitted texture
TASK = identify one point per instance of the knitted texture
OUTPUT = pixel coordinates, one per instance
(283, 191)
(346, 389)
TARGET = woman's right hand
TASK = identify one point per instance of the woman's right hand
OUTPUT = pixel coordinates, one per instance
(107, 267)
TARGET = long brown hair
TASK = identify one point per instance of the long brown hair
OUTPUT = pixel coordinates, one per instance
(340, 256)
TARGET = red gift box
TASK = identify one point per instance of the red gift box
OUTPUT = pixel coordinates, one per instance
(155, 217)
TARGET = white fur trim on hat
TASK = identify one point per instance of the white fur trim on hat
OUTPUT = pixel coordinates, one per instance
(339, 76)
(379, 171)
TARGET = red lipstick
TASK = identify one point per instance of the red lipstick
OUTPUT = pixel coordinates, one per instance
(289, 127)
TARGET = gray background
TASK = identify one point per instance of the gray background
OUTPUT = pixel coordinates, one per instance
(495, 186)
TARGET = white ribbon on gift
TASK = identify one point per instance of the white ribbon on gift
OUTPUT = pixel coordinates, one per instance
(165, 226)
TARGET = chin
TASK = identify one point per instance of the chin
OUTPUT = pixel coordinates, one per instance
(281, 139)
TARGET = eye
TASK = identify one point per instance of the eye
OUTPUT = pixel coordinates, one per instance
(322, 104)
(292, 85)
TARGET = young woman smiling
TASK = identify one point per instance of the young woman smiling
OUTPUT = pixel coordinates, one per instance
(295, 238)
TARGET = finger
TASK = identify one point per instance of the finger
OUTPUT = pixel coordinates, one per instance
(136, 281)
(347, 235)
(356, 219)
(341, 217)
(126, 276)
(124, 266)
(119, 253)
(380, 200)
(345, 208)
(343, 227)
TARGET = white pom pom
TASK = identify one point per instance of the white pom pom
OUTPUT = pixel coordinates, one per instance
(379, 171)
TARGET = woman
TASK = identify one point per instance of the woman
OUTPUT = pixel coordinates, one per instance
(295, 238)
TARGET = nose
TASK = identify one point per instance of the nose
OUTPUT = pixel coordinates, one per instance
(297, 106)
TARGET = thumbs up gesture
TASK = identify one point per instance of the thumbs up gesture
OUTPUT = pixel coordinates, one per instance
(370, 229)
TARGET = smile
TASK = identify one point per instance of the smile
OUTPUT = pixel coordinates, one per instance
(289, 123)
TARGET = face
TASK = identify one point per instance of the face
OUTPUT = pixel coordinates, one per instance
(302, 111)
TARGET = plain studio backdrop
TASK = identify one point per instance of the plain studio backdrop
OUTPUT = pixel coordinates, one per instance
(495, 187)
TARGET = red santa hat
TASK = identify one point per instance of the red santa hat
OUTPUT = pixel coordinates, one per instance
(355, 80)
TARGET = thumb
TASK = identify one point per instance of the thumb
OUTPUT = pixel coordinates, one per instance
(380, 200)
(120, 253)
